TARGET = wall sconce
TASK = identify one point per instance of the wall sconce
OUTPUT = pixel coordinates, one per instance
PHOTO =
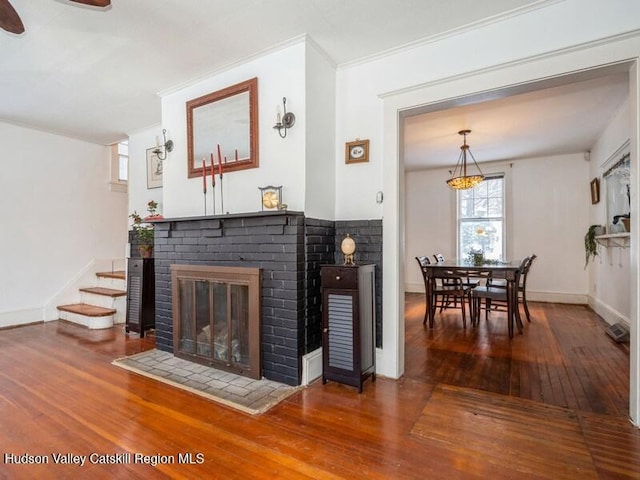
(167, 146)
(287, 121)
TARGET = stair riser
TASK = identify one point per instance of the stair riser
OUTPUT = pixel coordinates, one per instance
(93, 323)
(104, 301)
(117, 303)
(121, 306)
(112, 283)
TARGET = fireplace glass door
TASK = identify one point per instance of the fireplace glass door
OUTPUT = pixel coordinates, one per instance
(214, 321)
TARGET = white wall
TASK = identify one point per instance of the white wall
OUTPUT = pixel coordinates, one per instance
(547, 210)
(609, 273)
(362, 87)
(430, 221)
(58, 214)
(550, 201)
(320, 135)
(139, 194)
(282, 161)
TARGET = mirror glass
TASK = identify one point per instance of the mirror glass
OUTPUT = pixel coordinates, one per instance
(228, 118)
(617, 181)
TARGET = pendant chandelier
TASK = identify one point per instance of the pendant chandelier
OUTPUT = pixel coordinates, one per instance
(459, 179)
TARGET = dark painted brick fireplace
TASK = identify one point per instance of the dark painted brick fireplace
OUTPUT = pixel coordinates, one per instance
(289, 248)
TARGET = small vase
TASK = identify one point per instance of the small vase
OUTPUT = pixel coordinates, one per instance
(478, 259)
(627, 224)
(146, 251)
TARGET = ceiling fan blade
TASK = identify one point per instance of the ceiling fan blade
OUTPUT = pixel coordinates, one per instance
(94, 3)
(9, 18)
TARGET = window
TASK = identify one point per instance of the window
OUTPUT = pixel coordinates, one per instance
(119, 166)
(481, 219)
(123, 161)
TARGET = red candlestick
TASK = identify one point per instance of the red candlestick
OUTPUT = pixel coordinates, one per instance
(213, 173)
(204, 177)
(219, 154)
(236, 154)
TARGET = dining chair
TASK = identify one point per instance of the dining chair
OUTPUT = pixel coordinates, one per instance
(495, 297)
(444, 286)
(446, 302)
(522, 285)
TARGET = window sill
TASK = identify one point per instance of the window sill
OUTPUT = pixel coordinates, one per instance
(118, 187)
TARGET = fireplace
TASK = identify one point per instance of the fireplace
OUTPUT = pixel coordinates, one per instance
(216, 317)
(288, 248)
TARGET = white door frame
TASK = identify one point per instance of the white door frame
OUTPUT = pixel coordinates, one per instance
(485, 82)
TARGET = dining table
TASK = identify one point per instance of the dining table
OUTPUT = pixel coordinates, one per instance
(507, 270)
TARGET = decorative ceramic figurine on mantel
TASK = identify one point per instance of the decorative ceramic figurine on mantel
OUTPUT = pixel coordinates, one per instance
(348, 248)
(271, 198)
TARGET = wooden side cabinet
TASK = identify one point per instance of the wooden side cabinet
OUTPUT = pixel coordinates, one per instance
(141, 297)
(348, 324)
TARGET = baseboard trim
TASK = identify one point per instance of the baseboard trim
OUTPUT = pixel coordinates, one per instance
(21, 317)
(414, 287)
(311, 366)
(557, 297)
(608, 313)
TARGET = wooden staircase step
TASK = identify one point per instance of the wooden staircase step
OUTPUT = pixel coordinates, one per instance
(107, 292)
(119, 274)
(87, 310)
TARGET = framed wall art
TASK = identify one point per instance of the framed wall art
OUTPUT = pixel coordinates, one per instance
(357, 151)
(595, 191)
(154, 169)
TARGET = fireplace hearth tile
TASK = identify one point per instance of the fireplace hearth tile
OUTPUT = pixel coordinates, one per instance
(245, 394)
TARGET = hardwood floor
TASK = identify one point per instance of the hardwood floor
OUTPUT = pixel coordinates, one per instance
(564, 358)
(551, 403)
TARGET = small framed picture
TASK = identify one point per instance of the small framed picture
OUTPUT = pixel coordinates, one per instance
(357, 152)
(595, 191)
(154, 169)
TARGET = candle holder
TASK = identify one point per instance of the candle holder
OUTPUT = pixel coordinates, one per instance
(288, 120)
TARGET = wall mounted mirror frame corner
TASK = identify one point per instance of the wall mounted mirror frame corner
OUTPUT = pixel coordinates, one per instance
(229, 118)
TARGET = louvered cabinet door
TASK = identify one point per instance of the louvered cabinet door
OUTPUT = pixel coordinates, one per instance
(141, 313)
(348, 324)
(340, 330)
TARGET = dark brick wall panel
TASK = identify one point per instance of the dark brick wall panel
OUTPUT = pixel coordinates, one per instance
(368, 237)
(289, 248)
(274, 243)
(319, 250)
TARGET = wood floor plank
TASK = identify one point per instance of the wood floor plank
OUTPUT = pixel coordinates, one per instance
(60, 393)
(520, 434)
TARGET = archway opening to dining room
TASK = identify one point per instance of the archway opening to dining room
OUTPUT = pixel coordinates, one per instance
(545, 208)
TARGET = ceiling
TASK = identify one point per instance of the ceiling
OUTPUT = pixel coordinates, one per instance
(542, 121)
(95, 74)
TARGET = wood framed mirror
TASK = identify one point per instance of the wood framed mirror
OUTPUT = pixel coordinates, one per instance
(229, 118)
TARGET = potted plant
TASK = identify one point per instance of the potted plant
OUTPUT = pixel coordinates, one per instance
(590, 244)
(144, 231)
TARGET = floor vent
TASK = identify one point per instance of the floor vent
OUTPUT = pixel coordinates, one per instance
(618, 332)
